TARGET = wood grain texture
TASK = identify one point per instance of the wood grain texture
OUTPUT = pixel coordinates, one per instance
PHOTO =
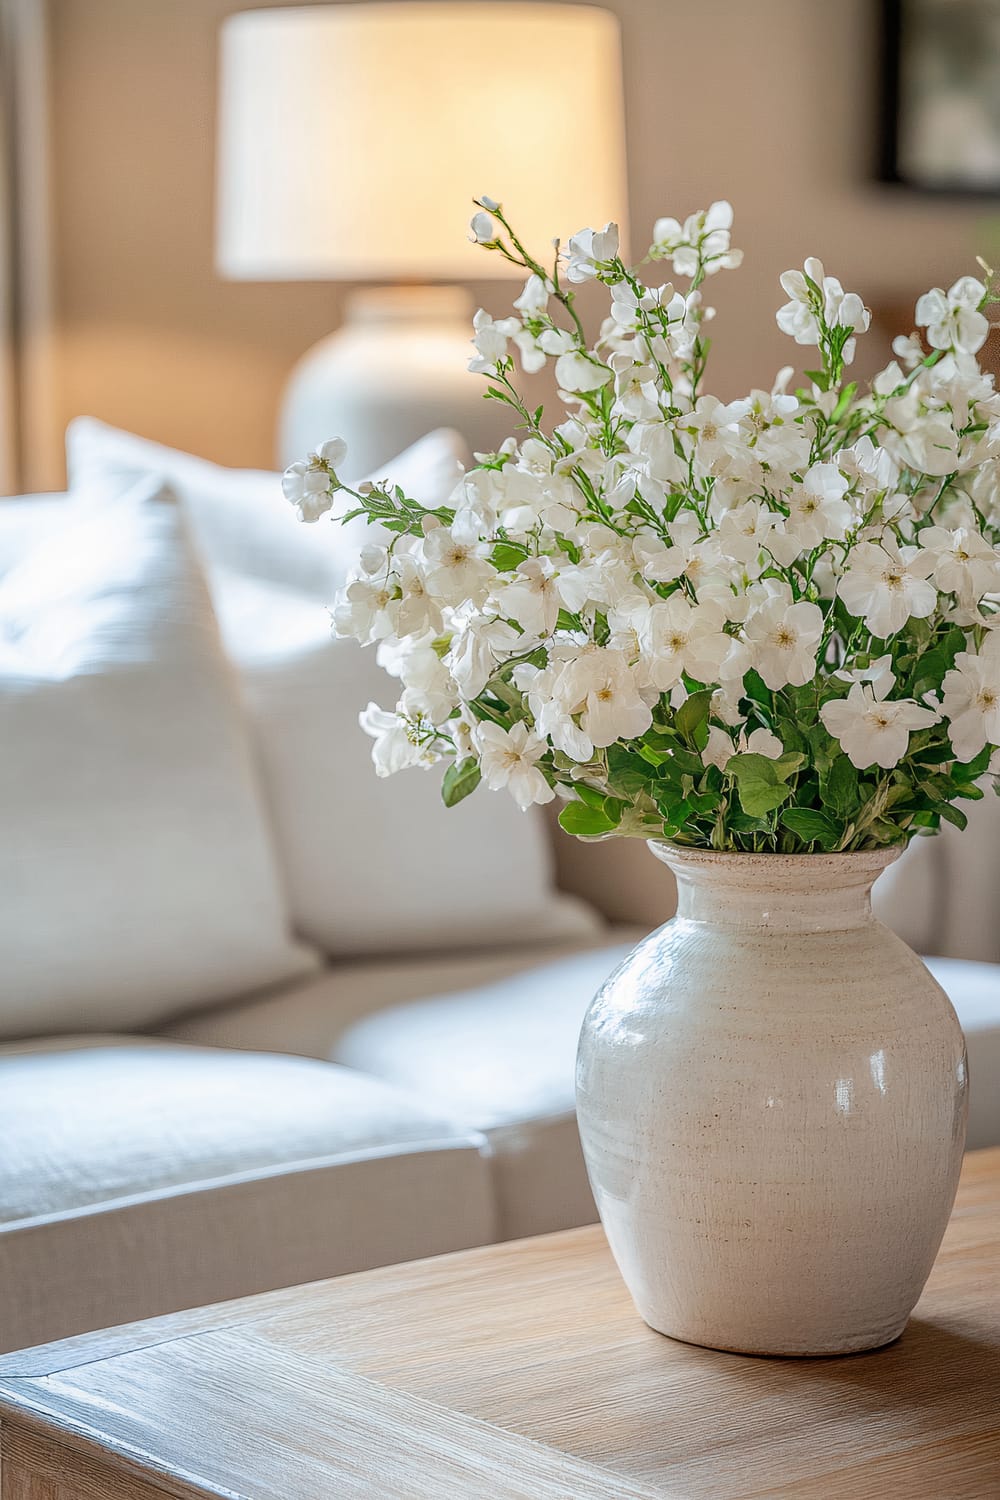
(517, 1370)
(37, 1468)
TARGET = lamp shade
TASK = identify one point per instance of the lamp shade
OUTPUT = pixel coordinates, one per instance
(352, 138)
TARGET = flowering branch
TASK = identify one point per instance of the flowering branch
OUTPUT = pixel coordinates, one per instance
(771, 624)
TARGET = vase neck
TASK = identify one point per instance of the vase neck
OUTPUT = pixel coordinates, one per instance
(781, 892)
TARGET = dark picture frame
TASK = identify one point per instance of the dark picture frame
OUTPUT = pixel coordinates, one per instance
(940, 96)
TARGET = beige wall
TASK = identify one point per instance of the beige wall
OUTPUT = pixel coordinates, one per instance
(768, 102)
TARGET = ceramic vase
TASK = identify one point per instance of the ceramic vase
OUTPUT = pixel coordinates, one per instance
(772, 1102)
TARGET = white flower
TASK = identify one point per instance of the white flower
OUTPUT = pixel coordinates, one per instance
(590, 251)
(577, 372)
(635, 389)
(416, 612)
(784, 637)
(964, 562)
(768, 427)
(971, 699)
(601, 687)
(927, 441)
(456, 570)
(490, 338)
(508, 759)
(825, 301)
(712, 425)
(679, 637)
(397, 744)
(817, 508)
(601, 581)
(478, 647)
(536, 349)
(308, 485)
(953, 319)
(654, 443)
(884, 585)
(908, 348)
(363, 610)
(751, 527)
(532, 597)
(429, 693)
(888, 380)
(703, 238)
(871, 468)
(879, 673)
(720, 749)
(874, 731)
(534, 300)
(484, 231)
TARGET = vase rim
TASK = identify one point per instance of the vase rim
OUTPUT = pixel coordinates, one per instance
(856, 859)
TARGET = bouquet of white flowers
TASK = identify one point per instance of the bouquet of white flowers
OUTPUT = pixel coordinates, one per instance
(771, 624)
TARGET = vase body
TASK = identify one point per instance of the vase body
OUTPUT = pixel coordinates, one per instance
(772, 1100)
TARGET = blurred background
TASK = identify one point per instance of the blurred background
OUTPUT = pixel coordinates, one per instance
(115, 306)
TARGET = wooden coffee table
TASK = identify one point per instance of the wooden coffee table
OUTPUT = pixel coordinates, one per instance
(517, 1370)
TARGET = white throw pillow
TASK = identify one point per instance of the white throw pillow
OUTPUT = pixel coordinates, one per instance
(239, 518)
(376, 866)
(136, 874)
(371, 866)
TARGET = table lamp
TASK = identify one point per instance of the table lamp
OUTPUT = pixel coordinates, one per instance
(352, 140)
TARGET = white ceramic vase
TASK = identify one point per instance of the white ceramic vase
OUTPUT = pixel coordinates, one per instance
(772, 1101)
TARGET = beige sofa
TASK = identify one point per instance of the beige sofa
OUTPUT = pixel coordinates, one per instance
(409, 1093)
(377, 1111)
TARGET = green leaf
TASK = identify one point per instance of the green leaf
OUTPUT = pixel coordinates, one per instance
(460, 780)
(847, 395)
(953, 815)
(972, 769)
(681, 760)
(627, 772)
(507, 555)
(589, 796)
(810, 826)
(839, 788)
(756, 688)
(761, 783)
(692, 715)
(584, 822)
(567, 621)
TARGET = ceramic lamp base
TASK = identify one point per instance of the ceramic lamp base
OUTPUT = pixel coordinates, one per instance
(396, 370)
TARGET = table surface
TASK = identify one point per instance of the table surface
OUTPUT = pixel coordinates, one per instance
(514, 1370)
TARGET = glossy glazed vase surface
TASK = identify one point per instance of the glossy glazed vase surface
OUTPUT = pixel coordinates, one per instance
(771, 1093)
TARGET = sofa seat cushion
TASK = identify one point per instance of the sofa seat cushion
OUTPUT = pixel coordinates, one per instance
(501, 1058)
(310, 1017)
(502, 1055)
(143, 1176)
(974, 989)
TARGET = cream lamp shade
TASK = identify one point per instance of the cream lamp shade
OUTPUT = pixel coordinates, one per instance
(353, 137)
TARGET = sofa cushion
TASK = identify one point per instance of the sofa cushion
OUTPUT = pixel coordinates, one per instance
(239, 518)
(371, 866)
(26, 520)
(142, 1176)
(501, 1058)
(974, 990)
(374, 865)
(136, 866)
(310, 1017)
